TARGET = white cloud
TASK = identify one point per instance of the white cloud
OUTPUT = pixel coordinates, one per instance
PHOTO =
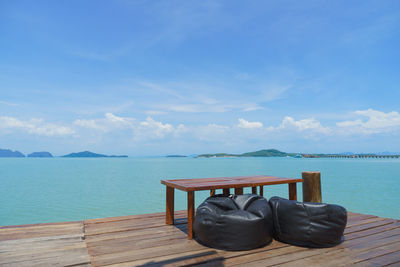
(249, 125)
(110, 122)
(185, 97)
(211, 132)
(87, 124)
(271, 93)
(151, 129)
(155, 128)
(252, 107)
(310, 124)
(376, 122)
(139, 130)
(35, 126)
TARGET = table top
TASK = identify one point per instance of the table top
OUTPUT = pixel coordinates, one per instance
(197, 184)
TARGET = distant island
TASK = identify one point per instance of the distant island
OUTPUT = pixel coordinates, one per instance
(277, 153)
(43, 154)
(88, 154)
(259, 153)
(7, 153)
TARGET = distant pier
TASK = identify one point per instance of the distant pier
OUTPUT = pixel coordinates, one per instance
(356, 156)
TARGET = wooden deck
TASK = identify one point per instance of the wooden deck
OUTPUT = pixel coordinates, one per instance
(145, 240)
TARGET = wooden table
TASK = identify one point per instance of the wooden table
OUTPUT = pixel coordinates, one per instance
(224, 183)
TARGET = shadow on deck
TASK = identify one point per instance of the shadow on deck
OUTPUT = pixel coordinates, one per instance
(145, 240)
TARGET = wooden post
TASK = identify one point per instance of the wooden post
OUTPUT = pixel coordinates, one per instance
(239, 191)
(261, 190)
(226, 191)
(190, 213)
(169, 217)
(312, 187)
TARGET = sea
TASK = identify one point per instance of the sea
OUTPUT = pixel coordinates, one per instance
(39, 190)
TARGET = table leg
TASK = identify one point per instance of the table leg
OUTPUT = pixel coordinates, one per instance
(169, 216)
(254, 190)
(261, 190)
(190, 215)
(292, 191)
(239, 191)
(212, 192)
(226, 191)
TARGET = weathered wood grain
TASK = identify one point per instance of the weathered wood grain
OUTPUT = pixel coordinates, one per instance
(145, 240)
(44, 245)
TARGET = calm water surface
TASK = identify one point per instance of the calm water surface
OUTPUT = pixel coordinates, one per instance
(61, 189)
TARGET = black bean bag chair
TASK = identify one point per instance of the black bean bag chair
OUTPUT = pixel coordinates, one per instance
(308, 224)
(235, 222)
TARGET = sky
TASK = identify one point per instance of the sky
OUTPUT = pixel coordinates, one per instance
(149, 78)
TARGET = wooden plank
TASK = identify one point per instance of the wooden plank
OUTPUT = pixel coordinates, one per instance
(23, 244)
(372, 231)
(67, 258)
(100, 221)
(155, 252)
(146, 253)
(140, 237)
(40, 231)
(227, 182)
(39, 224)
(363, 227)
(29, 253)
(126, 225)
(139, 241)
(139, 234)
(293, 254)
(159, 261)
(130, 245)
(335, 256)
(351, 219)
(146, 239)
(47, 244)
(10, 245)
(383, 260)
(353, 223)
(378, 252)
(159, 253)
(42, 228)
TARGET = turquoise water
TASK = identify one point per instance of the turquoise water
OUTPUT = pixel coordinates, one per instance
(62, 189)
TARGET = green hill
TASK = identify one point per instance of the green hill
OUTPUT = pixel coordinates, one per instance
(42, 154)
(266, 153)
(7, 153)
(259, 153)
(88, 154)
(217, 155)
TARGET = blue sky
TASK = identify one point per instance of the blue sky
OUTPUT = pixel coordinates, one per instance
(184, 77)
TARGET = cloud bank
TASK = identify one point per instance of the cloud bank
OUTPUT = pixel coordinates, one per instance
(117, 130)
